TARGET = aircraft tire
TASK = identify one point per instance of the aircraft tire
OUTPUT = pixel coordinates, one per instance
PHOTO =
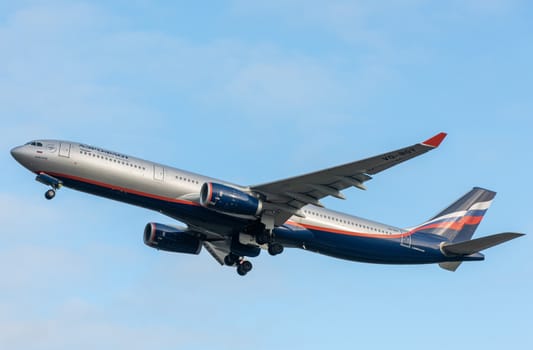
(275, 249)
(49, 194)
(246, 266)
(231, 259)
(263, 237)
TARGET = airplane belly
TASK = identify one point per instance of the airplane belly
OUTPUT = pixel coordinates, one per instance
(384, 250)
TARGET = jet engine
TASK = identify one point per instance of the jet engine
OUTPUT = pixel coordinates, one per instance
(171, 239)
(229, 200)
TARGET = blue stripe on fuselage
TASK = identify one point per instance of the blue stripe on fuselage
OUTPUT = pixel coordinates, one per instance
(184, 211)
(418, 248)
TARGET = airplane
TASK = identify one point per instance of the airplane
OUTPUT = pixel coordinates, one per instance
(234, 223)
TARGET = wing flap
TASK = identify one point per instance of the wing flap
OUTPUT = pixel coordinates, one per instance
(476, 245)
(450, 265)
(217, 249)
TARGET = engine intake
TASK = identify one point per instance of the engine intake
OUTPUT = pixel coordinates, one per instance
(229, 200)
(170, 239)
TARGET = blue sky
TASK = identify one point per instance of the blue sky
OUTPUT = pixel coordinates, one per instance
(250, 93)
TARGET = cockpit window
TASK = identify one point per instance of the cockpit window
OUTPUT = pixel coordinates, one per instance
(35, 143)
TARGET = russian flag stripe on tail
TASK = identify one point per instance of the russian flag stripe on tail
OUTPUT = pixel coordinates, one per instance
(459, 221)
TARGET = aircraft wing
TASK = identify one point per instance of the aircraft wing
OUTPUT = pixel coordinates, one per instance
(286, 197)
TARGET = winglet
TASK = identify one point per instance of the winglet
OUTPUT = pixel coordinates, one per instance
(435, 140)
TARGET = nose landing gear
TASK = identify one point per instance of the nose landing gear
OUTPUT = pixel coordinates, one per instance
(49, 181)
(50, 194)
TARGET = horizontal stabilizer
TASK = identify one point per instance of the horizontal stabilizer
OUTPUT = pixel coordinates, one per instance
(478, 244)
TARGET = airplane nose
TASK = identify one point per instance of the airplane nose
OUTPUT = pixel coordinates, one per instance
(23, 156)
(17, 153)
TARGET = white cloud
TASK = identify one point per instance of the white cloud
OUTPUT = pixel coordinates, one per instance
(289, 85)
(17, 209)
(50, 83)
(28, 266)
(344, 20)
(69, 70)
(487, 7)
(63, 331)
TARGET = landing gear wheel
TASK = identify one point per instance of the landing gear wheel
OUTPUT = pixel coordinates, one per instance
(231, 259)
(241, 271)
(244, 267)
(263, 238)
(49, 194)
(275, 249)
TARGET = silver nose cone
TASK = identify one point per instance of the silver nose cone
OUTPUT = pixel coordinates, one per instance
(23, 155)
(17, 153)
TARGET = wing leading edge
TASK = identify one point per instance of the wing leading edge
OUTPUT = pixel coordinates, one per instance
(286, 197)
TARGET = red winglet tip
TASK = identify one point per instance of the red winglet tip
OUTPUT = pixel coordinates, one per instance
(435, 141)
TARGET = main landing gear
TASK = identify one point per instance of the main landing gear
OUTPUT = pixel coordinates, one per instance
(275, 249)
(262, 236)
(243, 266)
(266, 237)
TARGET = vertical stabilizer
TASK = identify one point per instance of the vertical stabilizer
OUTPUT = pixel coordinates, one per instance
(459, 221)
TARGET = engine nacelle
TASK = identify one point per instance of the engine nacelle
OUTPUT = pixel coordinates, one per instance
(170, 239)
(229, 200)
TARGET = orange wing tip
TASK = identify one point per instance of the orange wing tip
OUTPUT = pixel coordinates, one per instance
(436, 140)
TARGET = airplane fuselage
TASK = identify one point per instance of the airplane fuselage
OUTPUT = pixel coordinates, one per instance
(175, 193)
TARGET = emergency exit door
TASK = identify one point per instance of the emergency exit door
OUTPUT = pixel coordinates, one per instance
(159, 173)
(64, 149)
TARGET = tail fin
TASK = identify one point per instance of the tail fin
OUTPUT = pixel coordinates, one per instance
(459, 221)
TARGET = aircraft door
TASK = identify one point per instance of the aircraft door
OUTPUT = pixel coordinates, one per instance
(159, 173)
(406, 241)
(64, 149)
